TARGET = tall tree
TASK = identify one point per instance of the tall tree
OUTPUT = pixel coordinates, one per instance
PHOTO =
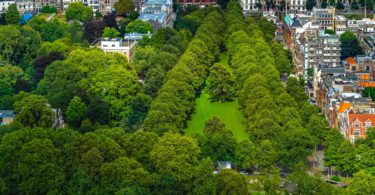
(362, 183)
(33, 111)
(221, 83)
(76, 112)
(350, 46)
(110, 32)
(138, 26)
(93, 29)
(310, 4)
(12, 16)
(124, 7)
(231, 182)
(78, 11)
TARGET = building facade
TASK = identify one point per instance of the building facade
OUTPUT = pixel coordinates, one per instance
(158, 12)
(111, 46)
(249, 5)
(297, 6)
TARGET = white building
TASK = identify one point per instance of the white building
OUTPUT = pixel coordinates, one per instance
(249, 5)
(4, 5)
(297, 6)
(158, 12)
(111, 46)
(24, 5)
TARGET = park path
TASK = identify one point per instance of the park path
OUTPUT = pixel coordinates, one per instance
(51, 16)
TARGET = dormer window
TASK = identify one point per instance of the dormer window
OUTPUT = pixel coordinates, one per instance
(356, 125)
(368, 124)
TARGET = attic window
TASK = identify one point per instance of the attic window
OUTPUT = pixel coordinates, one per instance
(356, 125)
(368, 124)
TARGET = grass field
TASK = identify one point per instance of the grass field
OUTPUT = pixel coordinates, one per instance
(227, 112)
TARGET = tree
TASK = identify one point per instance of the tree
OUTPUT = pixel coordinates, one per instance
(123, 172)
(175, 158)
(49, 30)
(310, 4)
(362, 183)
(98, 111)
(350, 46)
(246, 155)
(38, 167)
(110, 32)
(49, 9)
(340, 6)
(3, 19)
(139, 107)
(230, 182)
(138, 26)
(304, 183)
(41, 63)
(76, 112)
(221, 83)
(33, 111)
(5, 88)
(10, 42)
(93, 29)
(124, 7)
(12, 16)
(78, 11)
(220, 144)
(10, 74)
(110, 20)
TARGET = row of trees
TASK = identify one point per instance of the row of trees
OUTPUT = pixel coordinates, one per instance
(279, 119)
(175, 100)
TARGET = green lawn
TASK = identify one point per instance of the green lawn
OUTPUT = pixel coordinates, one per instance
(227, 112)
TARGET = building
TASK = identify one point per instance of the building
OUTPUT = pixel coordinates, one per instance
(196, 2)
(359, 125)
(324, 17)
(136, 36)
(111, 46)
(297, 6)
(323, 48)
(158, 12)
(249, 5)
(6, 117)
(24, 6)
(4, 5)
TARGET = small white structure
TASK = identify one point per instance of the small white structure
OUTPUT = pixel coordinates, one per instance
(117, 45)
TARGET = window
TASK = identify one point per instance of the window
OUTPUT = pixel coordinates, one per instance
(357, 132)
(368, 124)
(356, 125)
(354, 68)
(367, 68)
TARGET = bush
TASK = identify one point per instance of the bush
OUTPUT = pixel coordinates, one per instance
(335, 178)
(49, 9)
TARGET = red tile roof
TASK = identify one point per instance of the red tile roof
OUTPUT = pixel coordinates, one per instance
(362, 117)
(351, 60)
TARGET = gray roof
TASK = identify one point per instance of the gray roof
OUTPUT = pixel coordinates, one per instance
(7, 113)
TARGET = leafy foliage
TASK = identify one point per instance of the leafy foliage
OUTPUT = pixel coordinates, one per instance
(138, 26)
(78, 11)
(12, 15)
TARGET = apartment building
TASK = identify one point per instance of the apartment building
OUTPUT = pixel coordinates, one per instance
(297, 6)
(323, 49)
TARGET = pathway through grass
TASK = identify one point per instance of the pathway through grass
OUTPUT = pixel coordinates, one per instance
(228, 113)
